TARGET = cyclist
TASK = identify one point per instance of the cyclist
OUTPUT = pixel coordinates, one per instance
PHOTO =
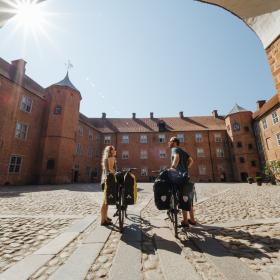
(109, 164)
(180, 163)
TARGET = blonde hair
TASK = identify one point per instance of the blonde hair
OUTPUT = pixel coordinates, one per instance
(106, 154)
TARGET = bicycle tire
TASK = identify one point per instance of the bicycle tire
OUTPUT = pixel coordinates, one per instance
(121, 210)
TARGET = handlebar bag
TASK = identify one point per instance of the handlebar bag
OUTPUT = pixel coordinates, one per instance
(130, 189)
(110, 189)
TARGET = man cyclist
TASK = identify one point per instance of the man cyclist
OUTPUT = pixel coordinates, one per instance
(180, 163)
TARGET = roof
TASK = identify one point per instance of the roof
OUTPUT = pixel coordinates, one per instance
(145, 125)
(85, 119)
(237, 109)
(268, 106)
(66, 83)
(8, 71)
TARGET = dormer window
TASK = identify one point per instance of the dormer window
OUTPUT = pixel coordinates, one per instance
(161, 126)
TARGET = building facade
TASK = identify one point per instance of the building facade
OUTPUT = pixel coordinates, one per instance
(44, 139)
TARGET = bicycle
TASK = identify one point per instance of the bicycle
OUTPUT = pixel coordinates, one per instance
(121, 199)
(173, 210)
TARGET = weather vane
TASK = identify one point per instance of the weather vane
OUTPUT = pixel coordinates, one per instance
(69, 65)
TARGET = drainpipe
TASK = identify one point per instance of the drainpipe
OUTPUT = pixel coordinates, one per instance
(211, 160)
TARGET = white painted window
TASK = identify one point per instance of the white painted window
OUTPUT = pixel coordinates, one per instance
(125, 139)
(162, 154)
(107, 139)
(202, 169)
(21, 131)
(143, 139)
(274, 117)
(218, 138)
(220, 152)
(144, 172)
(198, 137)
(181, 137)
(278, 138)
(143, 154)
(125, 155)
(161, 138)
(79, 149)
(81, 130)
(26, 104)
(200, 152)
(264, 124)
(15, 164)
(90, 152)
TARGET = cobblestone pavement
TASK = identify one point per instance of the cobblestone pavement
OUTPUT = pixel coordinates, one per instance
(30, 217)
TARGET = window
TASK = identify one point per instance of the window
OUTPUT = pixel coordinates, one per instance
(161, 138)
(144, 172)
(274, 117)
(162, 154)
(90, 134)
(218, 138)
(264, 124)
(79, 149)
(57, 110)
(21, 131)
(107, 139)
(90, 152)
(202, 169)
(254, 163)
(125, 155)
(125, 139)
(15, 164)
(239, 145)
(143, 154)
(50, 164)
(220, 152)
(236, 126)
(81, 130)
(181, 137)
(242, 160)
(26, 104)
(198, 137)
(200, 152)
(143, 139)
(278, 138)
(250, 146)
(161, 126)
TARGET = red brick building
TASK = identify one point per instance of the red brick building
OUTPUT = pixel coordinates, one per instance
(45, 139)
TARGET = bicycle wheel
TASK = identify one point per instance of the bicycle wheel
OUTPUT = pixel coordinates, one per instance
(174, 215)
(121, 210)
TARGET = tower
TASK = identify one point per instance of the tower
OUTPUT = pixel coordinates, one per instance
(61, 123)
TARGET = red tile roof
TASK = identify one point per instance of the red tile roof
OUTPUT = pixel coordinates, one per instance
(268, 106)
(126, 125)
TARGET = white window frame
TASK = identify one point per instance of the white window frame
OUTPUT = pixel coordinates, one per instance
(107, 139)
(144, 172)
(181, 137)
(79, 149)
(202, 170)
(125, 155)
(162, 154)
(218, 137)
(161, 138)
(81, 130)
(143, 139)
(90, 152)
(220, 152)
(90, 134)
(275, 118)
(125, 139)
(15, 165)
(278, 138)
(200, 152)
(143, 154)
(19, 133)
(24, 104)
(198, 137)
(264, 123)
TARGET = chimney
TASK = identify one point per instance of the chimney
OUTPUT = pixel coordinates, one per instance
(18, 68)
(103, 115)
(215, 114)
(181, 114)
(260, 103)
(134, 115)
(151, 115)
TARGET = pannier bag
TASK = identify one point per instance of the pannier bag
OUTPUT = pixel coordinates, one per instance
(162, 191)
(186, 192)
(130, 189)
(110, 189)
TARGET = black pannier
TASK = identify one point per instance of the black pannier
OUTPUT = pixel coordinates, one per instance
(186, 192)
(110, 190)
(130, 189)
(162, 191)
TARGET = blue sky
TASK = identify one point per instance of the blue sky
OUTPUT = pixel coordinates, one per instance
(144, 56)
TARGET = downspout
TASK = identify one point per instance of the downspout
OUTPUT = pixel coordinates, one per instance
(211, 160)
